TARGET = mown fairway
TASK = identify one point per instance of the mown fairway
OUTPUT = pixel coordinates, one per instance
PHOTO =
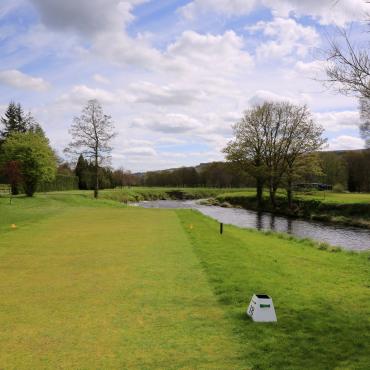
(92, 285)
(108, 288)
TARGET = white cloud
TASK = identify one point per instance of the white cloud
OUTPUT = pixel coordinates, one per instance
(100, 79)
(227, 7)
(146, 92)
(345, 142)
(139, 151)
(123, 50)
(326, 11)
(22, 81)
(168, 123)
(209, 53)
(170, 141)
(312, 69)
(260, 96)
(337, 121)
(289, 37)
(80, 94)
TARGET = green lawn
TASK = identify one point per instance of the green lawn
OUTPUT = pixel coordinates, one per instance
(342, 198)
(90, 284)
(322, 196)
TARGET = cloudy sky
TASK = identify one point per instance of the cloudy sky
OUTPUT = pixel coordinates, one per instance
(174, 74)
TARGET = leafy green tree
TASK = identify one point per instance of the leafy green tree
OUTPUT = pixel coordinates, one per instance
(34, 155)
(269, 140)
(335, 168)
(13, 175)
(307, 165)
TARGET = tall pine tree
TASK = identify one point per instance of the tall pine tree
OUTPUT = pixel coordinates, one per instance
(82, 171)
(13, 121)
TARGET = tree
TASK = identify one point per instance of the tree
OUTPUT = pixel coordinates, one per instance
(365, 119)
(270, 139)
(358, 164)
(82, 172)
(12, 172)
(348, 71)
(247, 149)
(92, 132)
(13, 121)
(36, 159)
(308, 165)
(335, 168)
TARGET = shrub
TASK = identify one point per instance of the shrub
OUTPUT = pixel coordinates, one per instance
(338, 188)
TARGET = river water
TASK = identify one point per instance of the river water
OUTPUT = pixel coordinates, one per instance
(347, 237)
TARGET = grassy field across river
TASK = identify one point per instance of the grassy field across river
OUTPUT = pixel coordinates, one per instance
(92, 284)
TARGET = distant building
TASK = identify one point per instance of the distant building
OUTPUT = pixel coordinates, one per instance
(313, 186)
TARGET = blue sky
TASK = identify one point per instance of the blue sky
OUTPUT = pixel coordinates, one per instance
(174, 74)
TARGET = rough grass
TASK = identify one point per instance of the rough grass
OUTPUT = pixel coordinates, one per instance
(339, 198)
(90, 284)
(329, 197)
(322, 299)
(135, 194)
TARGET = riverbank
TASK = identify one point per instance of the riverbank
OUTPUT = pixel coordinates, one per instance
(330, 209)
(96, 284)
(137, 194)
(334, 208)
(322, 235)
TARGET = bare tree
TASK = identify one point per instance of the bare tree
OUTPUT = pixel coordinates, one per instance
(92, 132)
(348, 67)
(365, 118)
(348, 72)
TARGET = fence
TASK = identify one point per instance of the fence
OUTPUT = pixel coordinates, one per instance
(6, 190)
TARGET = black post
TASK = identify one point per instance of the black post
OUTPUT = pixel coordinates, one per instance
(221, 228)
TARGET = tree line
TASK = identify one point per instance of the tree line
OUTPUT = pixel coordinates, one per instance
(275, 145)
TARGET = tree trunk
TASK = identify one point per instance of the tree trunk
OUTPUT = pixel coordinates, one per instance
(273, 189)
(96, 187)
(259, 192)
(14, 188)
(289, 192)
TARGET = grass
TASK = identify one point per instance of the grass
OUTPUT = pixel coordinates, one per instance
(92, 284)
(338, 198)
(134, 194)
(326, 197)
(322, 298)
(107, 287)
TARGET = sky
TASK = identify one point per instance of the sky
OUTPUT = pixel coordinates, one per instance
(175, 75)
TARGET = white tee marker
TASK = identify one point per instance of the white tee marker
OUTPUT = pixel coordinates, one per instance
(261, 308)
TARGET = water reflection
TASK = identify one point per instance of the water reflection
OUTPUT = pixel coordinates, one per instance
(259, 221)
(344, 236)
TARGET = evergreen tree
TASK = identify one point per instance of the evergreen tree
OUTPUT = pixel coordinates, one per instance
(82, 172)
(13, 121)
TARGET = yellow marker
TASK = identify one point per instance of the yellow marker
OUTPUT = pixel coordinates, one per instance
(13, 226)
(191, 226)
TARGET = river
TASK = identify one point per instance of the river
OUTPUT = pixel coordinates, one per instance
(346, 237)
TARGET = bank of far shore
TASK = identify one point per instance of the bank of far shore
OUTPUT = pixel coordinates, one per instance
(351, 209)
